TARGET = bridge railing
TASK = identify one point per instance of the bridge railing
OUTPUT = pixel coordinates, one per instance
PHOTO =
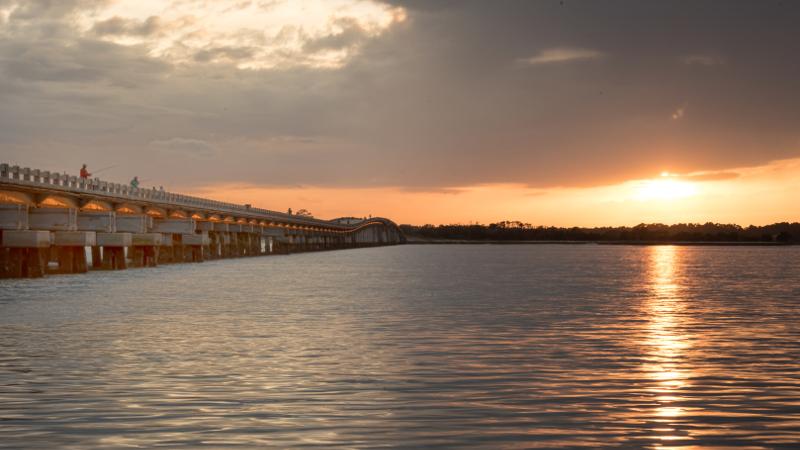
(70, 183)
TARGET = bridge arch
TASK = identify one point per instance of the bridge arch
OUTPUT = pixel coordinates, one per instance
(127, 208)
(155, 211)
(57, 201)
(16, 198)
(97, 205)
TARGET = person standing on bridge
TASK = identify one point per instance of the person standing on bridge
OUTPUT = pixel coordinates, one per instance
(135, 182)
(85, 173)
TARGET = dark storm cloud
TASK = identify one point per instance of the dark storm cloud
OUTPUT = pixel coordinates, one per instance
(460, 93)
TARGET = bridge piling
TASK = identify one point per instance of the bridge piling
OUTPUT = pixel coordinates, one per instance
(114, 258)
(112, 247)
(24, 253)
(97, 257)
(70, 249)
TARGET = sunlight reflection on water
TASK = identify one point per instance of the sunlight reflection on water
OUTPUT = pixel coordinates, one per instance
(668, 338)
(415, 346)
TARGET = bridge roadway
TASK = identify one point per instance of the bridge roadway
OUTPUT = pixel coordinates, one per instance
(52, 222)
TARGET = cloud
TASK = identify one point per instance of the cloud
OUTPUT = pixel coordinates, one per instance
(711, 176)
(185, 147)
(119, 26)
(219, 54)
(79, 61)
(249, 35)
(561, 55)
(348, 35)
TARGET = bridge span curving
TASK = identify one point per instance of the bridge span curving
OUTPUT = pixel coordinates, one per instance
(55, 222)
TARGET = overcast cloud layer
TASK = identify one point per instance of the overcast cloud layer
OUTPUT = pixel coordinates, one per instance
(416, 94)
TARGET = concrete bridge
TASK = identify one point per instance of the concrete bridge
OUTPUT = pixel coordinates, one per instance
(58, 223)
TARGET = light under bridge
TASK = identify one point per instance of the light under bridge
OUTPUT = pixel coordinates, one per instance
(57, 223)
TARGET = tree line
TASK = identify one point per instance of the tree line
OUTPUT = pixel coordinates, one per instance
(783, 232)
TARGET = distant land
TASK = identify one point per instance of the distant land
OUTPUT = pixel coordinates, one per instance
(783, 233)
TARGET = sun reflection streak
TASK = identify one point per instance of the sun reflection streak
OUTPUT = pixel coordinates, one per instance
(666, 343)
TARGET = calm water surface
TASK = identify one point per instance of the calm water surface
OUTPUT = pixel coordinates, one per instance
(414, 347)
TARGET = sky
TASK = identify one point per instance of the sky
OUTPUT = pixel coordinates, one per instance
(549, 112)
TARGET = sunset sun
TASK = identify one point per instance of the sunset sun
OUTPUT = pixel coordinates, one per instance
(664, 188)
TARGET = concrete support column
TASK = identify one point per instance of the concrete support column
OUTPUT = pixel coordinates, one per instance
(72, 260)
(194, 246)
(165, 250)
(196, 253)
(216, 245)
(97, 262)
(71, 250)
(282, 246)
(251, 241)
(27, 262)
(113, 249)
(178, 250)
(233, 244)
(225, 244)
(114, 258)
(144, 256)
(23, 253)
(145, 249)
(244, 244)
(209, 250)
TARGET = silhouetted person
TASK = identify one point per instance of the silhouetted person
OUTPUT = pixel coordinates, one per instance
(290, 211)
(85, 173)
(135, 182)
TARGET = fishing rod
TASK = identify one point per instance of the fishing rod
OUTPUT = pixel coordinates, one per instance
(104, 169)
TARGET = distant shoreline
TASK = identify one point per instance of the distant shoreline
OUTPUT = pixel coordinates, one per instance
(694, 234)
(412, 241)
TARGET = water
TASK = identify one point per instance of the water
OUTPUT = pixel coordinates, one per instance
(412, 347)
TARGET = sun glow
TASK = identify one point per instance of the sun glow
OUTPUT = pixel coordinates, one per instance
(664, 188)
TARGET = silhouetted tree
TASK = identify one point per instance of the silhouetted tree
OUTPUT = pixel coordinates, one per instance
(508, 230)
